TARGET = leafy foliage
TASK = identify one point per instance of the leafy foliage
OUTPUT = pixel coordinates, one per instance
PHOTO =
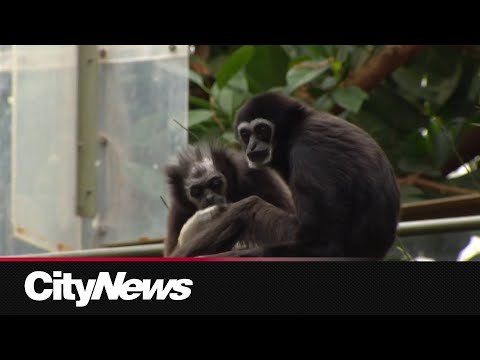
(419, 114)
(415, 113)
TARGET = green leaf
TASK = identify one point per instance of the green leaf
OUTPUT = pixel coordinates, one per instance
(194, 100)
(291, 50)
(205, 130)
(360, 55)
(464, 100)
(230, 97)
(323, 103)
(328, 83)
(223, 99)
(416, 145)
(318, 51)
(298, 76)
(296, 51)
(239, 83)
(197, 79)
(236, 62)
(350, 98)
(344, 52)
(216, 62)
(267, 68)
(229, 137)
(394, 110)
(336, 67)
(198, 116)
(280, 89)
(434, 76)
(327, 50)
(416, 150)
(457, 127)
(442, 145)
(299, 60)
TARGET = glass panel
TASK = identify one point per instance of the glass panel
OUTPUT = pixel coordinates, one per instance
(142, 90)
(43, 165)
(5, 153)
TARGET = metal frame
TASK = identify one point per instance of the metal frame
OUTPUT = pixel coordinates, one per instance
(146, 250)
(87, 130)
(445, 207)
(406, 228)
(422, 227)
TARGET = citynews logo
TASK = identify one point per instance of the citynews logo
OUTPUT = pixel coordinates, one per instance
(63, 284)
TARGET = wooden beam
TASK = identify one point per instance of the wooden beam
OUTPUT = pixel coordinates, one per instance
(452, 206)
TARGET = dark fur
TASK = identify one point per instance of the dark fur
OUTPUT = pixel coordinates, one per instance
(345, 192)
(242, 182)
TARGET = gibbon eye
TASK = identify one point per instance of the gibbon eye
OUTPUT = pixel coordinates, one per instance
(196, 191)
(245, 135)
(263, 131)
(216, 183)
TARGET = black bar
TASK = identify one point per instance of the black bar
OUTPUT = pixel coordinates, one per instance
(262, 288)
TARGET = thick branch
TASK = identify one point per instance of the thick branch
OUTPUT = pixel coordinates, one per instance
(379, 67)
(450, 206)
(197, 62)
(415, 180)
(390, 58)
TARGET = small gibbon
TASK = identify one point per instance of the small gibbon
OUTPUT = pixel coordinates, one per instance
(203, 180)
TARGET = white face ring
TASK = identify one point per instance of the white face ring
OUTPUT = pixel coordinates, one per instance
(250, 126)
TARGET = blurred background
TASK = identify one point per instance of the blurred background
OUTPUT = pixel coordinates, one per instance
(85, 131)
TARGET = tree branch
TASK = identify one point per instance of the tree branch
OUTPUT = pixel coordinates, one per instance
(379, 67)
(308, 65)
(390, 58)
(450, 206)
(415, 180)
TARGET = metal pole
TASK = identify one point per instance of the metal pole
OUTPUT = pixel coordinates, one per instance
(146, 250)
(407, 228)
(86, 130)
(422, 227)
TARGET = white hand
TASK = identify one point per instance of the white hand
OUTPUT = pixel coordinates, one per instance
(196, 222)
